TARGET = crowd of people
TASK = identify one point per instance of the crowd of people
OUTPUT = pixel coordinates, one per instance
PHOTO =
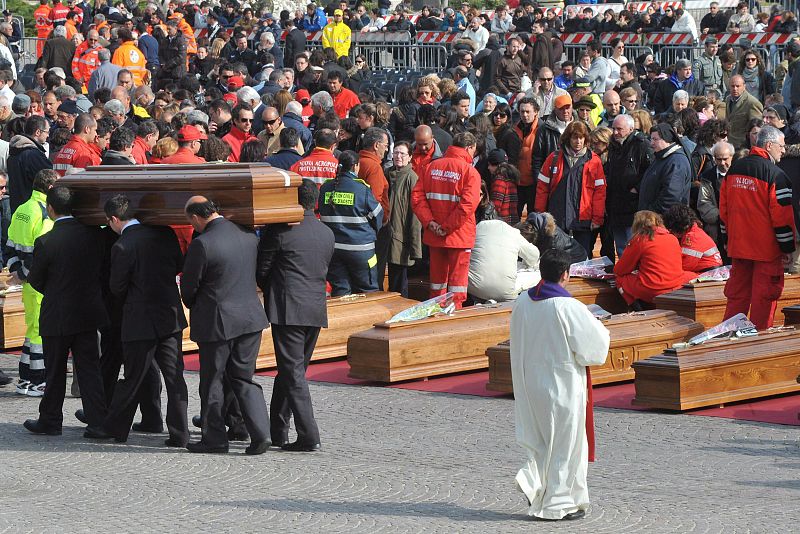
(509, 153)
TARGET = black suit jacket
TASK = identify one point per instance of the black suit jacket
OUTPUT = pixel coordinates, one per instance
(292, 265)
(218, 284)
(67, 269)
(144, 263)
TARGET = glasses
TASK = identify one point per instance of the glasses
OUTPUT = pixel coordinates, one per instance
(246, 120)
(631, 101)
(398, 153)
(748, 59)
(545, 79)
(359, 61)
(499, 115)
(619, 47)
(273, 121)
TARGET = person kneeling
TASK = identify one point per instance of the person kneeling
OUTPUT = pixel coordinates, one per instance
(651, 263)
(699, 253)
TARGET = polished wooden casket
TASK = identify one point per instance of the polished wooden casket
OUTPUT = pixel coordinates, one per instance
(791, 315)
(13, 314)
(346, 316)
(600, 292)
(705, 301)
(247, 193)
(717, 372)
(634, 336)
(429, 347)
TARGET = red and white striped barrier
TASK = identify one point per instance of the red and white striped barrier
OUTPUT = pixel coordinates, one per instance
(641, 7)
(437, 37)
(757, 39)
(669, 39)
(573, 39)
(627, 37)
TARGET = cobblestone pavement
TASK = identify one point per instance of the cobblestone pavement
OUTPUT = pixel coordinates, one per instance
(398, 461)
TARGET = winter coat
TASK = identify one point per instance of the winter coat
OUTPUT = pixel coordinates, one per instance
(406, 245)
(26, 157)
(667, 181)
(624, 168)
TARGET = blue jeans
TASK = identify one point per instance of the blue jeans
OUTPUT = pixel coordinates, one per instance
(622, 234)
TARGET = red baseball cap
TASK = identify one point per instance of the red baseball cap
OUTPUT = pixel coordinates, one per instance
(230, 98)
(235, 82)
(190, 133)
(303, 94)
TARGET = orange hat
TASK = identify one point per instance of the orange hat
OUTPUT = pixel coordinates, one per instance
(302, 94)
(190, 133)
(563, 100)
(230, 98)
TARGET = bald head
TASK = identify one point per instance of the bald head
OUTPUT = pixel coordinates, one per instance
(423, 139)
(200, 211)
(93, 36)
(269, 114)
(121, 94)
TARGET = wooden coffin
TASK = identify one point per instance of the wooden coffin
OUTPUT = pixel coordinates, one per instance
(791, 315)
(346, 316)
(634, 337)
(718, 372)
(13, 323)
(428, 347)
(705, 301)
(600, 292)
(247, 193)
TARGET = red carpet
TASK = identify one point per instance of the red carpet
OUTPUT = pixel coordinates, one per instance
(782, 410)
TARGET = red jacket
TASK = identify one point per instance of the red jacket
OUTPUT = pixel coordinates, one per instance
(140, 150)
(592, 204)
(59, 14)
(755, 205)
(448, 193)
(525, 164)
(75, 155)
(699, 252)
(235, 139)
(183, 155)
(420, 162)
(320, 165)
(658, 261)
(370, 169)
(344, 102)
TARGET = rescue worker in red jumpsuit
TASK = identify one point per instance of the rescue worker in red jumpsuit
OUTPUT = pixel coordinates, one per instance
(444, 200)
(755, 205)
(699, 253)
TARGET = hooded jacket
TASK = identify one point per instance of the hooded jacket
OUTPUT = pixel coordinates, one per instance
(26, 157)
(667, 181)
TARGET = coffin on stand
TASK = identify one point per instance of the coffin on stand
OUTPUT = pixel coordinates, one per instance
(634, 337)
(705, 301)
(247, 193)
(13, 316)
(346, 316)
(718, 372)
(600, 292)
(429, 347)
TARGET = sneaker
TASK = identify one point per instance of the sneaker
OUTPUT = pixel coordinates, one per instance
(22, 386)
(36, 390)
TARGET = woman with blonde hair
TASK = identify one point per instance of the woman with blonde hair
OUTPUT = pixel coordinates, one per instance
(282, 98)
(427, 91)
(216, 47)
(598, 141)
(642, 122)
(447, 88)
(166, 146)
(651, 264)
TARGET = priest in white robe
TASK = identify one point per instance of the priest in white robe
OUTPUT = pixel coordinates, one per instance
(553, 339)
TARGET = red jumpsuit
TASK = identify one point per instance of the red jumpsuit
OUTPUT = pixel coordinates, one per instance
(448, 193)
(183, 155)
(659, 266)
(44, 25)
(320, 165)
(77, 154)
(755, 205)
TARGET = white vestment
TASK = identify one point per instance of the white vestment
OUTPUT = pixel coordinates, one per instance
(552, 341)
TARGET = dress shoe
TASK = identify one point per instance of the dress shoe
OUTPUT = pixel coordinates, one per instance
(258, 447)
(80, 416)
(577, 514)
(302, 447)
(5, 379)
(197, 421)
(207, 449)
(93, 432)
(173, 442)
(35, 426)
(238, 435)
(150, 429)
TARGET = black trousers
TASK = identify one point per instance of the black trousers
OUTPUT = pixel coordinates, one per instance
(148, 396)
(293, 348)
(139, 357)
(85, 348)
(382, 244)
(398, 279)
(526, 195)
(234, 359)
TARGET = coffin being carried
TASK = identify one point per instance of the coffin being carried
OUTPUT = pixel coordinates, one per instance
(250, 194)
(13, 314)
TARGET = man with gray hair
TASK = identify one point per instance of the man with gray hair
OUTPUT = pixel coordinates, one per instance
(58, 51)
(293, 118)
(250, 96)
(105, 75)
(681, 78)
(708, 194)
(116, 111)
(321, 103)
(755, 205)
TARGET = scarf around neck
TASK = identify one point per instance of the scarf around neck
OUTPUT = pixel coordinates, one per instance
(547, 290)
(752, 82)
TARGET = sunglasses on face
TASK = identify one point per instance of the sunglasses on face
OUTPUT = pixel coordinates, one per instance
(273, 121)
(545, 79)
(245, 120)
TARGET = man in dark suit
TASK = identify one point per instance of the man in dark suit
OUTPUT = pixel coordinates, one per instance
(218, 286)
(66, 269)
(144, 263)
(292, 266)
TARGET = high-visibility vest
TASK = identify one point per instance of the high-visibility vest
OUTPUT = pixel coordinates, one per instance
(59, 14)
(44, 22)
(85, 62)
(128, 56)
